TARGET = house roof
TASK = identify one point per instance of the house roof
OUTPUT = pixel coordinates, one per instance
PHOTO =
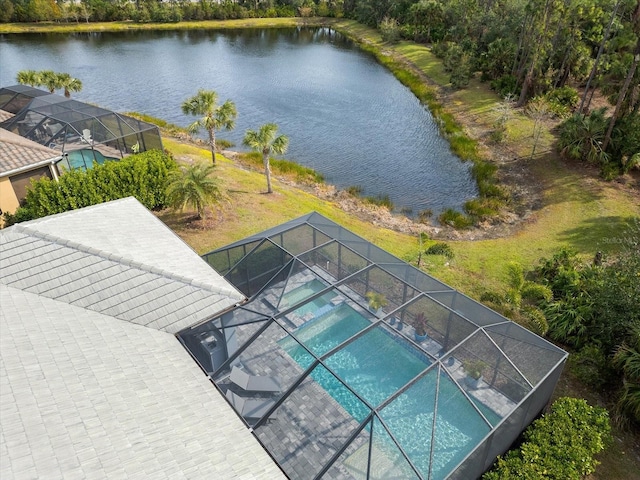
(18, 153)
(92, 380)
(85, 395)
(4, 115)
(115, 258)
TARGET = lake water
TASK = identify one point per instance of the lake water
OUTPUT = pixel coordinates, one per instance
(345, 115)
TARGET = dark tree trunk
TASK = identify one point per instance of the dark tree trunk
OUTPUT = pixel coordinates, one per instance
(622, 94)
(595, 64)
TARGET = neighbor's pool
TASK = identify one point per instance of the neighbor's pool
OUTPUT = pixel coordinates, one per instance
(85, 158)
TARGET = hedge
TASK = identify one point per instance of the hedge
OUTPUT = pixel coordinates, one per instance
(560, 445)
(143, 176)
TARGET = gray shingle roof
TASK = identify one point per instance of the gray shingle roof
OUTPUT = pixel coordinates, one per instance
(118, 259)
(84, 395)
(92, 382)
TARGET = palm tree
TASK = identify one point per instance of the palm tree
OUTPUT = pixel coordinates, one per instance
(194, 185)
(50, 80)
(213, 117)
(29, 77)
(69, 84)
(265, 141)
(581, 137)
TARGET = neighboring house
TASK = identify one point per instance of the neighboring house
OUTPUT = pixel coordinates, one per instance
(22, 160)
(93, 381)
(85, 133)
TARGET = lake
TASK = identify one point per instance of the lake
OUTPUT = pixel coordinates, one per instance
(346, 116)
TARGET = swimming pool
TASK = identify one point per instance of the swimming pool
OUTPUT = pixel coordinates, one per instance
(301, 293)
(84, 159)
(376, 366)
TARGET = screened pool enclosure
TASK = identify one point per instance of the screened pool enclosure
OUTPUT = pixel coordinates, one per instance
(84, 132)
(348, 363)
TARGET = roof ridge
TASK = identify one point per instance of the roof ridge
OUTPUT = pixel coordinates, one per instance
(118, 259)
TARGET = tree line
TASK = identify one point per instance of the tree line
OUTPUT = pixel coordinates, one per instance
(159, 11)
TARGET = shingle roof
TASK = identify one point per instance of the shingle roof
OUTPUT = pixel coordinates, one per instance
(17, 152)
(117, 259)
(92, 384)
(83, 395)
(4, 115)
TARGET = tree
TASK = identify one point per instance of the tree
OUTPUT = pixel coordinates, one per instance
(69, 84)
(50, 80)
(581, 137)
(29, 77)
(213, 118)
(194, 185)
(630, 74)
(266, 142)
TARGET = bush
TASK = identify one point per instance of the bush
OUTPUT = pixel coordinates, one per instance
(589, 366)
(455, 219)
(561, 445)
(482, 208)
(389, 30)
(381, 201)
(354, 190)
(425, 215)
(563, 101)
(440, 248)
(143, 176)
(505, 85)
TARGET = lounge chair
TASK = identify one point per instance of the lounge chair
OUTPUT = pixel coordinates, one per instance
(254, 383)
(251, 409)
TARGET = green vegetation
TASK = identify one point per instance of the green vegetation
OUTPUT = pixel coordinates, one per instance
(380, 200)
(301, 174)
(266, 142)
(193, 185)
(213, 117)
(561, 445)
(595, 308)
(143, 176)
(51, 80)
(440, 248)
(523, 300)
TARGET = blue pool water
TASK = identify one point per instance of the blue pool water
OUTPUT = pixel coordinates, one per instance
(301, 293)
(84, 159)
(376, 366)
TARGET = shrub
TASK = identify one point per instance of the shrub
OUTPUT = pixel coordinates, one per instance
(354, 190)
(380, 200)
(425, 215)
(561, 445)
(455, 219)
(389, 29)
(505, 85)
(482, 208)
(563, 100)
(143, 176)
(588, 365)
(440, 248)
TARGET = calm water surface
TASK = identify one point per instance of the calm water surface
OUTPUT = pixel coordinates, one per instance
(345, 115)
